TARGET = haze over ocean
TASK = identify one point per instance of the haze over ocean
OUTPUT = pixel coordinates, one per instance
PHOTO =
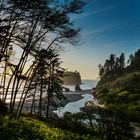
(86, 84)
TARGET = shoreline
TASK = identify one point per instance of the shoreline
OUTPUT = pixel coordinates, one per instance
(70, 97)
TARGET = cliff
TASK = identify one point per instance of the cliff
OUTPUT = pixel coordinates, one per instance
(72, 78)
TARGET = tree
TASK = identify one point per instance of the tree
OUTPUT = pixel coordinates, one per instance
(44, 84)
(122, 61)
(131, 57)
(112, 61)
(31, 25)
(6, 68)
(113, 124)
(101, 70)
(134, 61)
(113, 67)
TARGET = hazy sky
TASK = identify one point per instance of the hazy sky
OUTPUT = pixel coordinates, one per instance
(107, 26)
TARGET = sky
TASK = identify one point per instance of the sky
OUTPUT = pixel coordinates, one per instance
(107, 26)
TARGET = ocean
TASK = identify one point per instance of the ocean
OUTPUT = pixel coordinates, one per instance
(88, 84)
(74, 107)
(85, 85)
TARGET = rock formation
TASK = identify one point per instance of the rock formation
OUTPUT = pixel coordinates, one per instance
(77, 88)
(72, 78)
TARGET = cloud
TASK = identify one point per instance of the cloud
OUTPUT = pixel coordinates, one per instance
(96, 12)
(103, 9)
(116, 44)
(111, 27)
(120, 44)
(100, 30)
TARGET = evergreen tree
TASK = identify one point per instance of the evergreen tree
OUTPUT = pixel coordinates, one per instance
(122, 61)
(112, 61)
(134, 61)
(31, 25)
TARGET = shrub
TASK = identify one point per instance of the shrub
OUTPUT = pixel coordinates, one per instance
(33, 129)
(3, 108)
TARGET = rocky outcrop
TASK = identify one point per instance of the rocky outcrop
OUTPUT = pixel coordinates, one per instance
(72, 78)
(65, 89)
(77, 88)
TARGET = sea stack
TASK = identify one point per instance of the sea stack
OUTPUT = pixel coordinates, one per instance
(72, 78)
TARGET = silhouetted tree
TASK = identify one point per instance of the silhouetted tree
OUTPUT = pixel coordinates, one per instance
(112, 61)
(31, 25)
(134, 61)
(44, 83)
(113, 124)
(112, 67)
(101, 70)
(122, 61)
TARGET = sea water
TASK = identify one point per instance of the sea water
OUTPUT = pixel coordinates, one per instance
(85, 85)
(88, 84)
(74, 107)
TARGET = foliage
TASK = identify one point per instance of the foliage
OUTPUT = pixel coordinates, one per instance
(113, 67)
(134, 60)
(106, 123)
(3, 108)
(124, 94)
(71, 123)
(38, 28)
(119, 89)
(28, 129)
(44, 83)
(113, 124)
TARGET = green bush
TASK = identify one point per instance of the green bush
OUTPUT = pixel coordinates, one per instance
(3, 108)
(33, 129)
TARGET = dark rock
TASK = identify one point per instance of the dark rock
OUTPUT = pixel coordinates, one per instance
(77, 88)
(66, 89)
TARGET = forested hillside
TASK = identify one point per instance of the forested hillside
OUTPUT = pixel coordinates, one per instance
(119, 86)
